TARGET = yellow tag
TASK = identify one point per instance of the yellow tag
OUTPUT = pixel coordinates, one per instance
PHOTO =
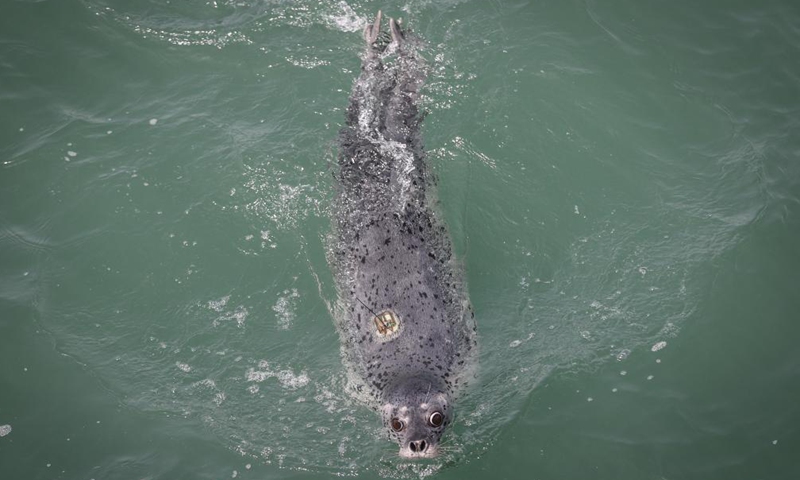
(387, 323)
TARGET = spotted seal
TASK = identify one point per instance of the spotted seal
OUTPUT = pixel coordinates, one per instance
(408, 332)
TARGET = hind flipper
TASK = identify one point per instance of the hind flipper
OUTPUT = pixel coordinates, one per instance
(371, 32)
(397, 34)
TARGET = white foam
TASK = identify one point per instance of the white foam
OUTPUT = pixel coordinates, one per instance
(183, 366)
(257, 376)
(5, 430)
(658, 346)
(287, 378)
(307, 62)
(207, 383)
(153, 121)
(284, 308)
(240, 315)
(346, 19)
(218, 305)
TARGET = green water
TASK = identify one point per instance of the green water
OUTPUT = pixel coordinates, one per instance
(621, 181)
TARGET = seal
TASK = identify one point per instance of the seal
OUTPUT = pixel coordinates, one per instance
(408, 332)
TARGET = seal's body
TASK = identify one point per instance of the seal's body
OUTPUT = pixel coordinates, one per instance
(405, 322)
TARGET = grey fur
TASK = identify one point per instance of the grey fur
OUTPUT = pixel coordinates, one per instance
(391, 251)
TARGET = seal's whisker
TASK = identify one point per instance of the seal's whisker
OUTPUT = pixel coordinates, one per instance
(453, 422)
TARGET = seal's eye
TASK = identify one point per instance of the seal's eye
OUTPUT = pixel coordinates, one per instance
(436, 419)
(397, 425)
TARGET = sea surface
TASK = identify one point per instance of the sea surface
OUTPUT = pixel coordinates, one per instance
(621, 181)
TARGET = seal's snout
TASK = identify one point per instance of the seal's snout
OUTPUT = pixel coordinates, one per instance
(418, 447)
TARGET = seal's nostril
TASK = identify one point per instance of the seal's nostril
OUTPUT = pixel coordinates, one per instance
(418, 446)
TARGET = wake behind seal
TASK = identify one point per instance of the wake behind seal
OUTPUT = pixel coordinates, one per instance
(407, 330)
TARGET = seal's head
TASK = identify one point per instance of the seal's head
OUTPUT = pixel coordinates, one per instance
(416, 412)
